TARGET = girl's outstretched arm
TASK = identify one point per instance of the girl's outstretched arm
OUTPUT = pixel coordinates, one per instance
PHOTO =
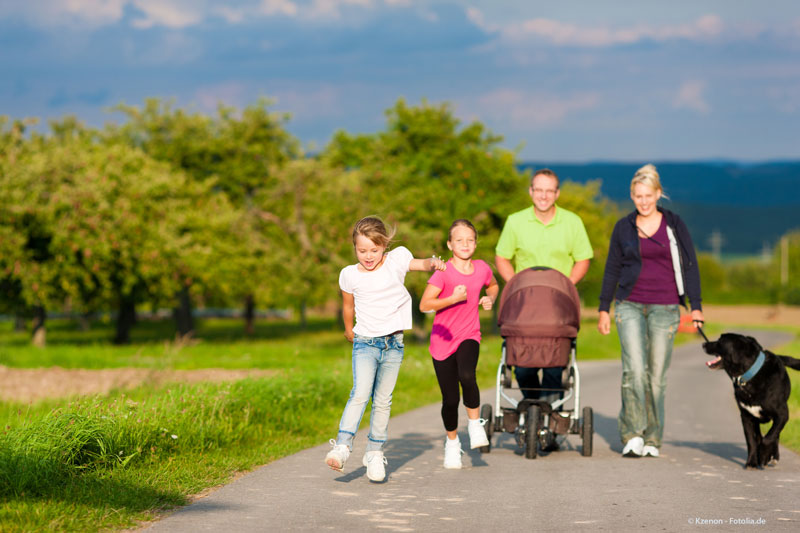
(348, 314)
(431, 263)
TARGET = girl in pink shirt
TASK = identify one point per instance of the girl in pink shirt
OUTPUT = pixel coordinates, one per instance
(454, 294)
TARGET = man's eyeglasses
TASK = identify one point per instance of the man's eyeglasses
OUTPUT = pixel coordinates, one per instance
(547, 192)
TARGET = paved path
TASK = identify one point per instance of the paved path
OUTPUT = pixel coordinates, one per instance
(698, 483)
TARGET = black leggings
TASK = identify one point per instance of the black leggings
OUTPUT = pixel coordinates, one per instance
(458, 368)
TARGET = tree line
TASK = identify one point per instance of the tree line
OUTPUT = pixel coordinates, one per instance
(180, 209)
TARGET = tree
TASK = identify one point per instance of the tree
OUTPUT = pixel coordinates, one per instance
(306, 221)
(426, 170)
(102, 224)
(599, 216)
(240, 152)
(787, 266)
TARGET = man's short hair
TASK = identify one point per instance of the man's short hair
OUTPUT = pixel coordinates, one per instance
(546, 172)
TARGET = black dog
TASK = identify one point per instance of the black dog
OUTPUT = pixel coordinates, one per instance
(761, 387)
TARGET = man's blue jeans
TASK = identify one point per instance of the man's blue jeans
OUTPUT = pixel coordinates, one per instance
(646, 335)
(376, 365)
(528, 378)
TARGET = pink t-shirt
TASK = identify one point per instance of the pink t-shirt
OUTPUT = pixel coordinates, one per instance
(457, 323)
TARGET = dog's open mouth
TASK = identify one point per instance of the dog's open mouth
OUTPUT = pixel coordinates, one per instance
(715, 364)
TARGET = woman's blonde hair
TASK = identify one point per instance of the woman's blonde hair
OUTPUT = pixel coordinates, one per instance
(648, 175)
(374, 229)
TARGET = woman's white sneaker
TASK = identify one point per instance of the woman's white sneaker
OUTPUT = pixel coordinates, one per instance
(650, 451)
(477, 433)
(634, 447)
(452, 453)
(337, 456)
(375, 463)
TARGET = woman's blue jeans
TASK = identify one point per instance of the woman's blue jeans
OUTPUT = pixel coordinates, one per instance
(376, 365)
(646, 335)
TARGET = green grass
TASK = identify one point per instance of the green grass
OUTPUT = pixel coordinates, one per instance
(790, 436)
(99, 463)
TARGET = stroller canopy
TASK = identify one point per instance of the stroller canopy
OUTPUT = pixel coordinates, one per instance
(539, 302)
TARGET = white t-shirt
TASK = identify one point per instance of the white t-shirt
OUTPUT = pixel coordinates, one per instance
(382, 302)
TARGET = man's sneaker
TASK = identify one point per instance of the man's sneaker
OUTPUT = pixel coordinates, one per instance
(477, 433)
(452, 453)
(375, 461)
(634, 447)
(337, 456)
(649, 450)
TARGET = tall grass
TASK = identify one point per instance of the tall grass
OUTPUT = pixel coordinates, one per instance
(148, 445)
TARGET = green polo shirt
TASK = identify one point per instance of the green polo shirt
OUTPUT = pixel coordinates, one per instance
(559, 244)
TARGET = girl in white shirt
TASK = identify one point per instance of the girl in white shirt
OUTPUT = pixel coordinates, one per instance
(374, 294)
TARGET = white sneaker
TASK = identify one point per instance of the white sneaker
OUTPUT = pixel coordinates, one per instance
(375, 461)
(452, 453)
(477, 433)
(652, 451)
(634, 447)
(337, 456)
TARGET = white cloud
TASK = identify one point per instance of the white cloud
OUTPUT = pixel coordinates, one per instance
(60, 12)
(332, 8)
(172, 13)
(522, 108)
(691, 96)
(278, 7)
(477, 17)
(561, 33)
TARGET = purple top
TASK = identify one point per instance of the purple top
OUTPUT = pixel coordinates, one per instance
(656, 283)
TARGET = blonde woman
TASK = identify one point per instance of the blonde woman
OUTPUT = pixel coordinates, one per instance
(651, 269)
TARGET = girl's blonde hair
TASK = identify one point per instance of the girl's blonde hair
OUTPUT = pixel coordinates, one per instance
(374, 229)
(648, 175)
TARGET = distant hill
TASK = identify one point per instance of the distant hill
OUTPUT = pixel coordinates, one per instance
(750, 205)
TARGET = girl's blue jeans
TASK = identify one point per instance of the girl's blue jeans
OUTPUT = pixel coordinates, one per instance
(376, 365)
(646, 335)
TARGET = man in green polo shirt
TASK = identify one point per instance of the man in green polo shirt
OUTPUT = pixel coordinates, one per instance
(543, 235)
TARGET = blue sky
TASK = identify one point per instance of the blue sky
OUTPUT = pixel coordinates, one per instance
(561, 81)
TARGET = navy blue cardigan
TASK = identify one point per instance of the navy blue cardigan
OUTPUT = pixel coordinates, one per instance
(624, 261)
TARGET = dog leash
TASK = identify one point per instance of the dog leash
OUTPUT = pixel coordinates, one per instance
(700, 329)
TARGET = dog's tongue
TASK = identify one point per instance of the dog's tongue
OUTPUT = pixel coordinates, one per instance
(714, 364)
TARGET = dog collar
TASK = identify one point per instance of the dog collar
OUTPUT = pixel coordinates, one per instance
(747, 376)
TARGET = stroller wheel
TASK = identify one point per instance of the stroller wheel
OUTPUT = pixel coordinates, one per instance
(486, 414)
(532, 431)
(587, 431)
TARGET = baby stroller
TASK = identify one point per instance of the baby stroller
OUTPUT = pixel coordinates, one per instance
(539, 318)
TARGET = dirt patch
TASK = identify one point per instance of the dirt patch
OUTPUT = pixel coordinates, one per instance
(33, 384)
(756, 315)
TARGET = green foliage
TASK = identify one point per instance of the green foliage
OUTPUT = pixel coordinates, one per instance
(306, 219)
(239, 150)
(426, 170)
(239, 156)
(91, 223)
